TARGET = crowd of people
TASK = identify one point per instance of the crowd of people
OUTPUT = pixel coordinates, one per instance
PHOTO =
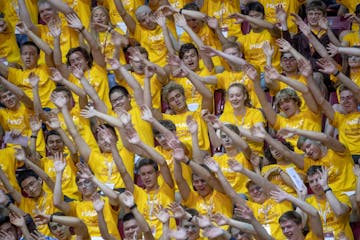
(174, 119)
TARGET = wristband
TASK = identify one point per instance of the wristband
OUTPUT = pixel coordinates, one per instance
(326, 190)
(180, 11)
(188, 162)
(190, 218)
(82, 28)
(133, 206)
(337, 73)
(33, 136)
(51, 217)
(8, 204)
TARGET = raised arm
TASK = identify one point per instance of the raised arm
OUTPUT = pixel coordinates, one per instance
(34, 81)
(313, 215)
(350, 51)
(9, 187)
(273, 74)
(269, 112)
(75, 23)
(128, 19)
(161, 21)
(214, 52)
(58, 199)
(25, 17)
(99, 207)
(325, 139)
(179, 156)
(127, 199)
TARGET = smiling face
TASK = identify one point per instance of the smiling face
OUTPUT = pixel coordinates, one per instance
(201, 186)
(354, 62)
(257, 193)
(77, 59)
(236, 97)
(291, 230)
(54, 144)
(131, 228)
(146, 20)
(119, 100)
(311, 149)
(348, 101)
(9, 100)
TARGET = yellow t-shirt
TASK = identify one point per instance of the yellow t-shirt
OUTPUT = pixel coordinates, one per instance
(43, 204)
(237, 181)
(277, 180)
(153, 41)
(330, 222)
(289, 6)
(268, 214)
(9, 50)
(252, 117)
(69, 38)
(348, 126)
(8, 165)
(355, 76)
(226, 78)
(19, 120)
(303, 120)
(340, 165)
(192, 96)
(221, 10)
(21, 79)
(186, 170)
(82, 126)
(11, 10)
(82, 9)
(352, 38)
(97, 77)
(148, 201)
(107, 46)
(214, 202)
(86, 212)
(183, 132)
(69, 186)
(104, 168)
(253, 48)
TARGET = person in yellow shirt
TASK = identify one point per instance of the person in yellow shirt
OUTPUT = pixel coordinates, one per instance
(146, 30)
(334, 208)
(85, 209)
(8, 167)
(289, 104)
(9, 50)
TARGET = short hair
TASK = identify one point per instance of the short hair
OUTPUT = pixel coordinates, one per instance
(247, 101)
(291, 215)
(267, 152)
(169, 125)
(141, 49)
(287, 93)
(191, 6)
(61, 88)
(233, 128)
(228, 45)
(24, 174)
(145, 162)
(88, 56)
(185, 48)
(119, 88)
(171, 86)
(30, 43)
(51, 132)
(141, 10)
(342, 88)
(316, 5)
(313, 170)
(255, 6)
(128, 216)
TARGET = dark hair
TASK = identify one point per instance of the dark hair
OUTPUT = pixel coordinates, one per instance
(168, 88)
(313, 170)
(185, 48)
(192, 6)
(128, 216)
(316, 5)
(291, 215)
(255, 6)
(24, 174)
(146, 162)
(233, 128)
(30, 43)
(61, 88)
(49, 133)
(119, 88)
(141, 49)
(169, 125)
(357, 9)
(88, 56)
(56, 214)
(267, 152)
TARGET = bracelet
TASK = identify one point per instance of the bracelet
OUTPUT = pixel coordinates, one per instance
(110, 29)
(133, 206)
(51, 217)
(8, 204)
(328, 189)
(188, 162)
(33, 136)
(337, 73)
(190, 218)
(82, 28)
